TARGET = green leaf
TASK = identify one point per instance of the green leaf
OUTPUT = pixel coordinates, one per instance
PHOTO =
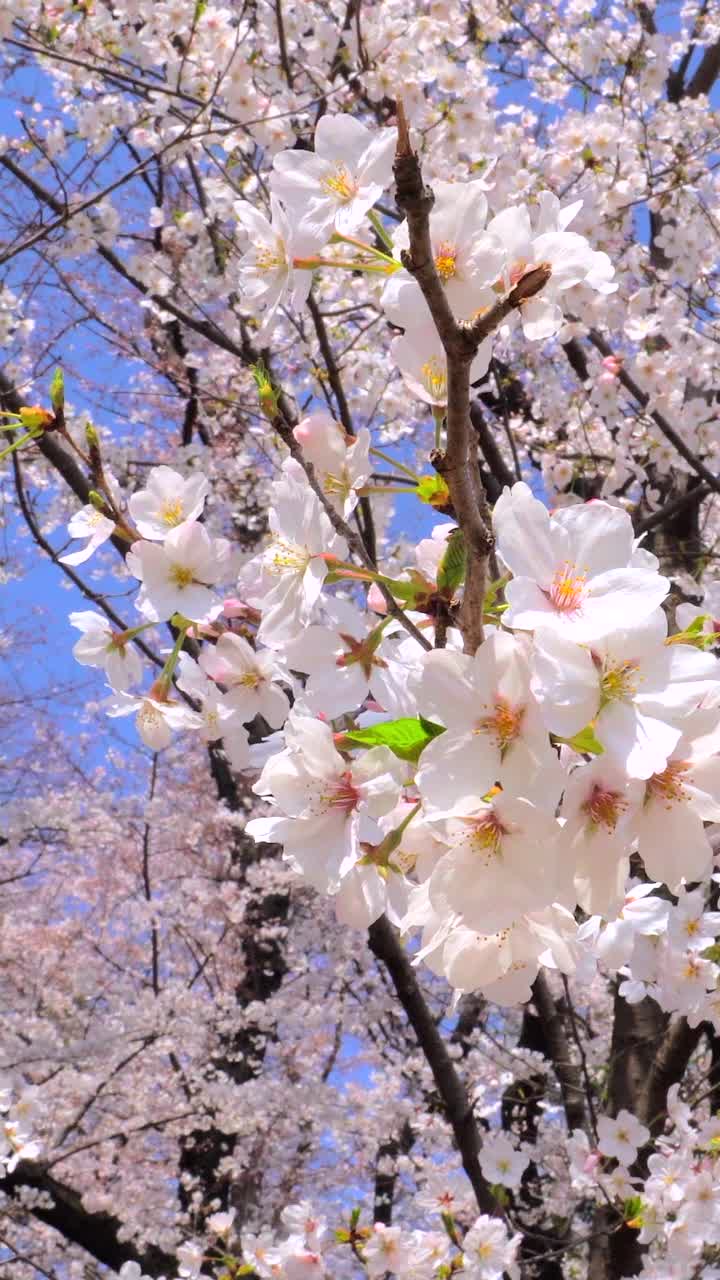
(493, 591)
(585, 741)
(57, 391)
(406, 738)
(633, 1210)
(452, 566)
(433, 490)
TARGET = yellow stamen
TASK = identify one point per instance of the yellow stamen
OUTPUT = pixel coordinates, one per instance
(446, 261)
(604, 807)
(340, 184)
(181, 576)
(433, 375)
(567, 590)
(172, 513)
(668, 786)
(503, 724)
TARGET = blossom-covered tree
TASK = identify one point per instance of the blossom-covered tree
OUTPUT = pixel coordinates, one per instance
(359, 827)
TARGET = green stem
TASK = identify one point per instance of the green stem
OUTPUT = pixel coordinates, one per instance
(17, 444)
(439, 416)
(378, 453)
(383, 235)
(385, 268)
(168, 669)
(383, 488)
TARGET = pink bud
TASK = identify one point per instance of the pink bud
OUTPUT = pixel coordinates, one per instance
(613, 364)
(376, 600)
(234, 608)
(303, 431)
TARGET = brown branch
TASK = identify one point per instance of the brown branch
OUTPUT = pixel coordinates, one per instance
(99, 1234)
(659, 419)
(674, 507)
(385, 946)
(458, 465)
(568, 1072)
(707, 72)
(343, 408)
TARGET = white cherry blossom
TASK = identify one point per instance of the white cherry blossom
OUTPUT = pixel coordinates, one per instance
(329, 802)
(341, 463)
(621, 1137)
(677, 802)
(91, 524)
(466, 258)
(501, 1161)
(572, 571)
(249, 677)
(295, 563)
(492, 724)
(101, 646)
(166, 501)
(569, 255)
(636, 690)
(333, 187)
(267, 272)
(178, 576)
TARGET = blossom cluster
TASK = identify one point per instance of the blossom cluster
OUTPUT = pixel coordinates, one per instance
(19, 1110)
(324, 196)
(310, 1249)
(478, 797)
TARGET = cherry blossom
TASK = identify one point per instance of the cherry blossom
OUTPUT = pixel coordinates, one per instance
(91, 524)
(178, 576)
(249, 678)
(112, 651)
(334, 187)
(167, 500)
(572, 571)
(621, 1137)
(267, 271)
(329, 803)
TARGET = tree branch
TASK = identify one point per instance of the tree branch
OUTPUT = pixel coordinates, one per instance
(385, 946)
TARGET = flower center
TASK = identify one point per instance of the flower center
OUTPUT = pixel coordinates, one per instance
(668, 786)
(568, 588)
(343, 794)
(433, 375)
(149, 716)
(504, 723)
(248, 680)
(285, 555)
(604, 807)
(446, 261)
(181, 576)
(619, 683)
(340, 184)
(271, 259)
(339, 486)
(172, 512)
(486, 832)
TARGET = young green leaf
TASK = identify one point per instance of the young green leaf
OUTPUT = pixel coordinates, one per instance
(406, 737)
